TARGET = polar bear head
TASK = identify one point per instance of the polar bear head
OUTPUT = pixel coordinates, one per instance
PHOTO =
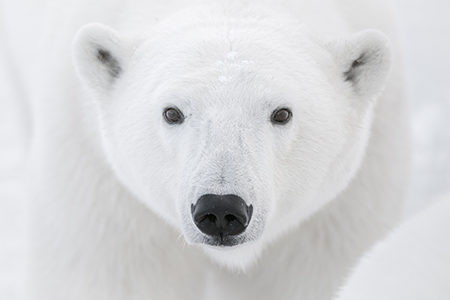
(233, 129)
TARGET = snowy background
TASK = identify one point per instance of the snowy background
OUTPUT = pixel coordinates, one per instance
(424, 28)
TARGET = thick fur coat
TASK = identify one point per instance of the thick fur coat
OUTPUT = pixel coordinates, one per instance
(412, 263)
(113, 183)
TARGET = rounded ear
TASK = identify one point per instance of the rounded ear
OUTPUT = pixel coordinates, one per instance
(99, 54)
(365, 60)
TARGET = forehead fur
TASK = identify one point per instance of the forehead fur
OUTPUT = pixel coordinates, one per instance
(203, 50)
(228, 36)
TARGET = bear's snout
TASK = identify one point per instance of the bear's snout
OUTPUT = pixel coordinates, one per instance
(220, 216)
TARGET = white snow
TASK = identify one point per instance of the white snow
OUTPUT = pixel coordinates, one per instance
(12, 193)
(232, 55)
(223, 79)
(425, 29)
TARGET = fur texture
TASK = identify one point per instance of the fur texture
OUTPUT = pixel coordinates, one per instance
(412, 263)
(113, 183)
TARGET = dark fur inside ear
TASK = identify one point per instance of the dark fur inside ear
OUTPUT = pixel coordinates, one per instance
(100, 55)
(110, 62)
(352, 73)
(364, 59)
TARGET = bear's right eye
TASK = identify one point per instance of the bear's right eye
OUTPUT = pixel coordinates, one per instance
(173, 115)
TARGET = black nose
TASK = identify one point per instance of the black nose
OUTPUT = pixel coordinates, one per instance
(221, 215)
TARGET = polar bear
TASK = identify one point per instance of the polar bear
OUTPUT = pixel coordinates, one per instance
(229, 149)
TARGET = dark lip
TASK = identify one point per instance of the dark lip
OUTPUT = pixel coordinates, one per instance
(227, 241)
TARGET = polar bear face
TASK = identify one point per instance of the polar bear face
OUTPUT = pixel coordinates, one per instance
(233, 131)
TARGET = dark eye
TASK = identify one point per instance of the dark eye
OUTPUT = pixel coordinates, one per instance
(281, 116)
(173, 115)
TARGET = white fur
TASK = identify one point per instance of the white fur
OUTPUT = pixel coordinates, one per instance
(113, 183)
(413, 262)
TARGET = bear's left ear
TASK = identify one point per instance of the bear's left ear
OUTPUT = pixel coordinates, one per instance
(99, 54)
(365, 61)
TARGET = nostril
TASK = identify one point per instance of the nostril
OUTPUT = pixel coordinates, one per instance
(212, 218)
(230, 218)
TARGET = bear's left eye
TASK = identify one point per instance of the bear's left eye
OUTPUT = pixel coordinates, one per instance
(173, 115)
(281, 116)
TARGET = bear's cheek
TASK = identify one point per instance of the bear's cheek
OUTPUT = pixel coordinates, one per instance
(135, 151)
(301, 172)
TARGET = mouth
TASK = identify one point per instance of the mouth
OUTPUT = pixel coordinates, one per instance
(223, 241)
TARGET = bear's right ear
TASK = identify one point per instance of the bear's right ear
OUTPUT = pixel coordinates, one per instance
(99, 54)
